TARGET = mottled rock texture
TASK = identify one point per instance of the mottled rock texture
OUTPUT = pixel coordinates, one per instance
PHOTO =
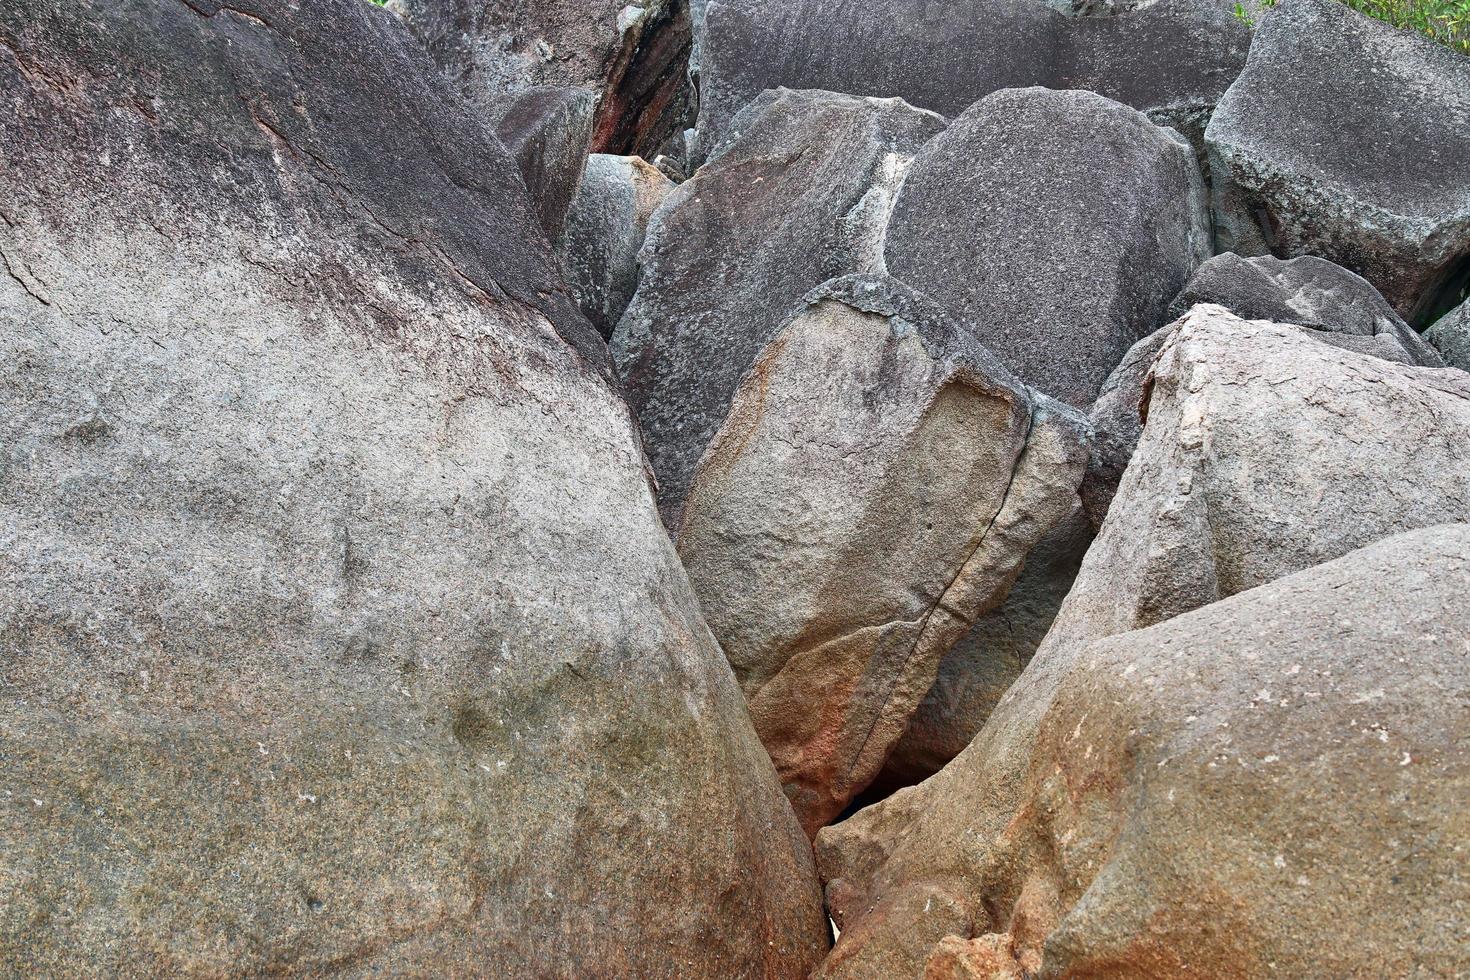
(1059, 223)
(546, 131)
(1172, 58)
(1347, 138)
(799, 198)
(1341, 309)
(604, 232)
(1450, 335)
(1216, 795)
(630, 55)
(981, 667)
(875, 488)
(338, 631)
(1265, 453)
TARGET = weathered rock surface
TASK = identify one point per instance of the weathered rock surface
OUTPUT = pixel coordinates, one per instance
(546, 131)
(1172, 58)
(875, 488)
(1294, 173)
(630, 55)
(982, 666)
(1216, 795)
(1344, 307)
(1341, 309)
(338, 632)
(604, 231)
(799, 198)
(1058, 222)
(1265, 453)
(1450, 335)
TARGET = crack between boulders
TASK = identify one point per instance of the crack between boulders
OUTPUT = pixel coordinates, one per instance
(923, 620)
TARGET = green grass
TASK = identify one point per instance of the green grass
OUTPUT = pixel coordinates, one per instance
(1446, 21)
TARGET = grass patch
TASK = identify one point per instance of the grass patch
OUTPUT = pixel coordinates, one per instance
(1446, 21)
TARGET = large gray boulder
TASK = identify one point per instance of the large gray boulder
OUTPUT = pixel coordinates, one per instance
(1340, 308)
(630, 56)
(1060, 223)
(338, 631)
(547, 131)
(1347, 138)
(1216, 795)
(1450, 335)
(801, 196)
(604, 232)
(875, 487)
(1170, 58)
(1265, 453)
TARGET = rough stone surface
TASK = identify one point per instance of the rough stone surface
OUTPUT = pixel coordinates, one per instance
(1058, 222)
(982, 666)
(1341, 309)
(1265, 453)
(338, 632)
(1171, 58)
(630, 55)
(547, 130)
(1216, 795)
(1347, 138)
(875, 488)
(1450, 335)
(799, 198)
(604, 232)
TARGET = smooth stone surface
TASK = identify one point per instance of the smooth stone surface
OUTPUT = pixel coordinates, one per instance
(546, 131)
(1450, 335)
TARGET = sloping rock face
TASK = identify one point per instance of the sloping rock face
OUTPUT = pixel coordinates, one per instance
(1341, 309)
(1059, 223)
(604, 232)
(981, 667)
(1450, 335)
(1172, 58)
(1265, 453)
(546, 131)
(1294, 175)
(630, 55)
(799, 198)
(338, 631)
(875, 488)
(1215, 796)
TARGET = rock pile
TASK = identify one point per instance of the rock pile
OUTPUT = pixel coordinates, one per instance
(618, 489)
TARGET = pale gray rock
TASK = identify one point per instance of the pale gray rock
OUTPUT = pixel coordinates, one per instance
(338, 631)
(629, 54)
(1170, 58)
(874, 489)
(1347, 138)
(604, 231)
(1450, 335)
(1214, 796)
(1266, 452)
(547, 131)
(1340, 308)
(1060, 223)
(799, 197)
